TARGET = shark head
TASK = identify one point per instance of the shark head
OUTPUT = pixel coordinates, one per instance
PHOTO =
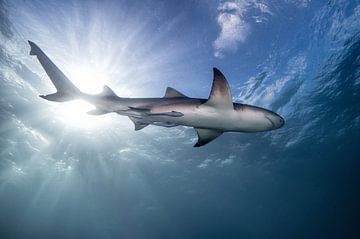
(256, 119)
(275, 120)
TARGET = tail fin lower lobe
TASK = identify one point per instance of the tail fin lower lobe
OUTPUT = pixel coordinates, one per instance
(66, 90)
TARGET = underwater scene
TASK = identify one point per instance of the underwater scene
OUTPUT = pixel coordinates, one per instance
(135, 133)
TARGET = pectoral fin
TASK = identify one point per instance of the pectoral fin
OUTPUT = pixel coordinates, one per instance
(205, 136)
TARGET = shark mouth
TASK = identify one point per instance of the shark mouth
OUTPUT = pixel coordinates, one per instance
(272, 123)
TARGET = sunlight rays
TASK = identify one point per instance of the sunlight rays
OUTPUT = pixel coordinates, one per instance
(74, 114)
(89, 80)
(92, 51)
(134, 53)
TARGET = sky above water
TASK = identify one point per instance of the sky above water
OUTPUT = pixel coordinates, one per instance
(66, 174)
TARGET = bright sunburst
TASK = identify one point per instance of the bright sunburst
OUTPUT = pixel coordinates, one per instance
(93, 49)
(74, 114)
(89, 80)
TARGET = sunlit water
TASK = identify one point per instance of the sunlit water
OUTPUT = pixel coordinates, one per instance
(67, 174)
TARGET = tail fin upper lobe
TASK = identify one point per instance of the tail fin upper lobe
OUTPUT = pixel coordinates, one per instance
(34, 48)
(65, 89)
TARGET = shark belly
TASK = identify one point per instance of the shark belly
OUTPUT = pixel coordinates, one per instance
(195, 115)
(207, 117)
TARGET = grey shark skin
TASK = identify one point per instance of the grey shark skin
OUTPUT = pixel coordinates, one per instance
(210, 117)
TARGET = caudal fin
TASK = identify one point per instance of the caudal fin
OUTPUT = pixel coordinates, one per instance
(34, 48)
(65, 89)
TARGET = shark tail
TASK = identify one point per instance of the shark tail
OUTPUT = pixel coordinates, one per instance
(66, 90)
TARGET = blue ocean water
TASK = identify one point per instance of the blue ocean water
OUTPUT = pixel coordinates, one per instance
(64, 174)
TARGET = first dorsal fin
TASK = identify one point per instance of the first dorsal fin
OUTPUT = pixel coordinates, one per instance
(220, 95)
(172, 93)
(107, 91)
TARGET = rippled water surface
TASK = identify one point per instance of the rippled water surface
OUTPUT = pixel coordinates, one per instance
(66, 174)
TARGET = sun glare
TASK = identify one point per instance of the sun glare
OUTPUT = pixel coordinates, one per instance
(88, 80)
(74, 114)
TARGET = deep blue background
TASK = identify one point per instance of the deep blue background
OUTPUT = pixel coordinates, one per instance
(301, 59)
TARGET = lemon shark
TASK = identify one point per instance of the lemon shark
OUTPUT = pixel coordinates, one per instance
(210, 117)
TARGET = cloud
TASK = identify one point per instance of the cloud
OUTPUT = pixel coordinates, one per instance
(234, 27)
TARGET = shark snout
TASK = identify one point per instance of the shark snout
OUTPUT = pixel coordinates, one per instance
(276, 121)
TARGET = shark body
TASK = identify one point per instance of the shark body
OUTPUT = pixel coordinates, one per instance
(210, 117)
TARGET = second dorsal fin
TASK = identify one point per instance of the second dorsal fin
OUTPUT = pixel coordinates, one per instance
(107, 91)
(172, 93)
